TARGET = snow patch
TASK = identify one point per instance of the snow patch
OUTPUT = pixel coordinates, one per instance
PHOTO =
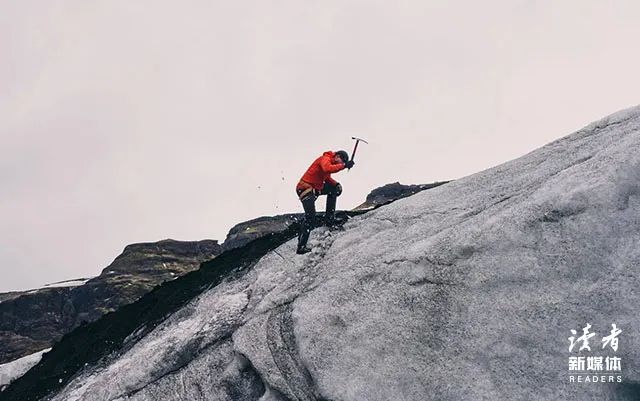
(67, 283)
(12, 370)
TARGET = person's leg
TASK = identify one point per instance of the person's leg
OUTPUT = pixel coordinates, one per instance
(332, 193)
(309, 205)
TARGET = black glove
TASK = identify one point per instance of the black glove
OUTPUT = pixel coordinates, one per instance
(349, 164)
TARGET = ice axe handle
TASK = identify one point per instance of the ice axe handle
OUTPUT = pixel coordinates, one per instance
(353, 154)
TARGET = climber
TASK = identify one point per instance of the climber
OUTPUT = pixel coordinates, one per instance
(317, 181)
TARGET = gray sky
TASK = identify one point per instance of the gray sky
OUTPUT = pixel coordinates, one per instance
(131, 121)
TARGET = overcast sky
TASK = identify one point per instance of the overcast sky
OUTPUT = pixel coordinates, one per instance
(133, 121)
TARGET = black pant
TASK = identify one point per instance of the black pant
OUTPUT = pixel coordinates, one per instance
(309, 205)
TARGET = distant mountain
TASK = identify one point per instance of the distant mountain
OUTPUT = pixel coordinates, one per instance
(33, 320)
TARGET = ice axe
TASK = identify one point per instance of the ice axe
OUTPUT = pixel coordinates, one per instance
(358, 140)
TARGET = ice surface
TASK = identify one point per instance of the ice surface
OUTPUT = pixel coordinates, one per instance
(464, 292)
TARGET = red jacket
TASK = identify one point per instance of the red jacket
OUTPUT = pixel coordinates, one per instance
(320, 171)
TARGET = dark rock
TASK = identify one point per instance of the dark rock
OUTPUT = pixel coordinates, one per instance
(394, 191)
(243, 233)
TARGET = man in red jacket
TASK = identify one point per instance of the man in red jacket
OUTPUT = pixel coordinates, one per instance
(317, 181)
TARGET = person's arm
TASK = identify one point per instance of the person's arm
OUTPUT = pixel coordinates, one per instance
(327, 167)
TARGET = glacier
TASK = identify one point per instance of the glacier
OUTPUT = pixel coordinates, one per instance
(467, 291)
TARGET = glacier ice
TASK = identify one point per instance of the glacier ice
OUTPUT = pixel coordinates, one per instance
(463, 292)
